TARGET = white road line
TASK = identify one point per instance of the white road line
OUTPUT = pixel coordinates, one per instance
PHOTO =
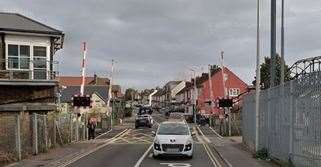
(143, 156)
(124, 132)
(219, 136)
(103, 134)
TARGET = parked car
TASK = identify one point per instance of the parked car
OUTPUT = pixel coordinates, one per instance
(173, 138)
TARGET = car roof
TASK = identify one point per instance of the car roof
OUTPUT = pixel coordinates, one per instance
(173, 122)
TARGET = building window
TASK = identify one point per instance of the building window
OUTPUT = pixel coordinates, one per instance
(40, 62)
(18, 57)
(233, 92)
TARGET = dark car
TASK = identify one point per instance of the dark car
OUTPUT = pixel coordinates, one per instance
(145, 110)
(143, 120)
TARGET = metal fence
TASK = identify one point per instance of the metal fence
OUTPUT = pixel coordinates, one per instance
(23, 134)
(289, 121)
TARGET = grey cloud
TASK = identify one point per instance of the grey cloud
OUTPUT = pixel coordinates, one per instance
(154, 41)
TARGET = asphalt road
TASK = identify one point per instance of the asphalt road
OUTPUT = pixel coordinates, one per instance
(133, 149)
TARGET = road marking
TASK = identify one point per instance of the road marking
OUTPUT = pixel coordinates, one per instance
(219, 136)
(122, 133)
(208, 150)
(143, 156)
(177, 164)
(103, 134)
(205, 138)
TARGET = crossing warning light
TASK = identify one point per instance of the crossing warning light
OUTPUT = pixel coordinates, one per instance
(81, 101)
(225, 102)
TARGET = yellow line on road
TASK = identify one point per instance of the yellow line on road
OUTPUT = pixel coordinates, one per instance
(208, 149)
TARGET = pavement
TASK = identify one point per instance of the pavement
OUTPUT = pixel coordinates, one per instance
(126, 146)
(233, 151)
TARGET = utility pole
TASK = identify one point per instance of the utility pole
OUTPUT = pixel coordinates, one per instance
(195, 94)
(273, 44)
(210, 87)
(226, 110)
(110, 94)
(258, 79)
(282, 45)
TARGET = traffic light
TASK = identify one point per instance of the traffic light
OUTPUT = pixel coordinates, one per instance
(81, 101)
(225, 103)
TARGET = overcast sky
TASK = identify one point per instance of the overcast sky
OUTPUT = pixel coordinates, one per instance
(154, 41)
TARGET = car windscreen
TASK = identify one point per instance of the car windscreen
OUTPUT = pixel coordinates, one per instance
(173, 129)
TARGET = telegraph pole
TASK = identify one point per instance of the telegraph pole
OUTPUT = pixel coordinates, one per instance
(258, 79)
(282, 45)
(195, 94)
(273, 44)
(211, 87)
(110, 94)
(226, 110)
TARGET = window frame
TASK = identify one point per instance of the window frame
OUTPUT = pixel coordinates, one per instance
(31, 56)
(39, 57)
(19, 57)
(238, 90)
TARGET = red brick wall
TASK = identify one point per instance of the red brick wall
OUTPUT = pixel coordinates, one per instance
(233, 81)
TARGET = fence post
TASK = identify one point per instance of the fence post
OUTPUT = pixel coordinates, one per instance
(45, 130)
(268, 119)
(291, 119)
(71, 128)
(35, 134)
(77, 129)
(54, 131)
(18, 139)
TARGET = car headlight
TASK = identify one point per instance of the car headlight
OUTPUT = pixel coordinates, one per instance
(156, 141)
(157, 145)
(189, 141)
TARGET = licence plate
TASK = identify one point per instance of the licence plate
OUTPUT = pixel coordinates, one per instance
(172, 150)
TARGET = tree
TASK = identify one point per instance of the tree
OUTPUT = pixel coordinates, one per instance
(130, 94)
(265, 72)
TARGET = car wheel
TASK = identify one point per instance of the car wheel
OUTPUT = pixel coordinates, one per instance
(136, 126)
(190, 157)
(155, 156)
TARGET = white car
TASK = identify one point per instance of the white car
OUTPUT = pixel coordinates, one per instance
(173, 138)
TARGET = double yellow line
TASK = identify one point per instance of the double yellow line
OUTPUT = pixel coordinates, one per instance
(208, 150)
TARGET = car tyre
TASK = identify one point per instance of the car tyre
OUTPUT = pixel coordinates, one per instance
(190, 157)
(155, 156)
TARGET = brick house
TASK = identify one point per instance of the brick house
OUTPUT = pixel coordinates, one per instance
(27, 67)
(234, 85)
